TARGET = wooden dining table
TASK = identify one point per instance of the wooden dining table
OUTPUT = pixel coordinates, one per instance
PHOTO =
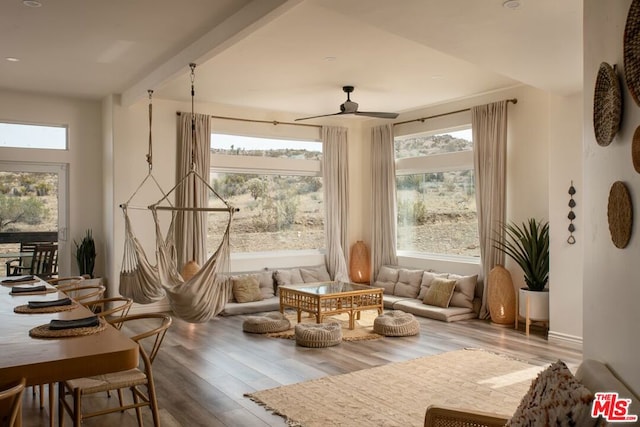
(50, 360)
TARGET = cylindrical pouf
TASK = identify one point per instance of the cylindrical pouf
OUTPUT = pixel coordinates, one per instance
(501, 297)
(265, 323)
(318, 335)
(396, 323)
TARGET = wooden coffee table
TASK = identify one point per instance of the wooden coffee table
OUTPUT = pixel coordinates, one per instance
(329, 298)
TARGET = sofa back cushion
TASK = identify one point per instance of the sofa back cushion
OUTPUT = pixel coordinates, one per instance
(246, 289)
(440, 292)
(316, 273)
(464, 291)
(387, 278)
(289, 276)
(265, 283)
(408, 284)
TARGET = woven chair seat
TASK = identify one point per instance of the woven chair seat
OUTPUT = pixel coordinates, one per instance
(396, 323)
(113, 381)
(266, 323)
(318, 335)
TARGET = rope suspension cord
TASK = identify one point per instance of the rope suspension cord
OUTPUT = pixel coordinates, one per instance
(423, 119)
(193, 116)
(149, 157)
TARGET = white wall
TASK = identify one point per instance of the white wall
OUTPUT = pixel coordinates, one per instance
(84, 158)
(565, 166)
(611, 278)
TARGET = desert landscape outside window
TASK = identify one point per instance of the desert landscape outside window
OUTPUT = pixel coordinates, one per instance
(435, 194)
(277, 186)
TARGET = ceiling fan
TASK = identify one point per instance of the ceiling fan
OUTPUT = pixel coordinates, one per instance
(350, 107)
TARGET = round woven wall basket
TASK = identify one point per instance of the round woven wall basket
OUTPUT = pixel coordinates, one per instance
(607, 105)
(620, 214)
(635, 150)
(631, 50)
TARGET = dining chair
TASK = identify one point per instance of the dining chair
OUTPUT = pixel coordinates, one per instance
(63, 282)
(44, 262)
(154, 327)
(84, 293)
(110, 308)
(11, 403)
(22, 264)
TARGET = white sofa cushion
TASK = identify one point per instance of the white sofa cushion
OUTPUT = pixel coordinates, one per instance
(316, 273)
(464, 291)
(387, 278)
(408, 284)
(427, 278)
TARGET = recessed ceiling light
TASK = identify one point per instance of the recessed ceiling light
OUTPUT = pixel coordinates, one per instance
(329, 58)
(12, 59)
(31, 3)
(512, 4)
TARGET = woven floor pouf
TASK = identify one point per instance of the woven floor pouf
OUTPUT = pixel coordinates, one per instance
(265, 323)
(396, 323)
(318, 335)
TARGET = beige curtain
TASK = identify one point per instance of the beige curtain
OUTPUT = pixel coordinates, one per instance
(191, 227)
(383, 198)
(489, 127)
(335, 180)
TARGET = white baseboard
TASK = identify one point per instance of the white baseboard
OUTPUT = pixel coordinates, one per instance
(558, 336)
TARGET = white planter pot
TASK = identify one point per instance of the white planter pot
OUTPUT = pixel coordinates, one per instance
(538, 303)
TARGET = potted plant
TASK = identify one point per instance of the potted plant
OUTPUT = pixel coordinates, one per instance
(86, 254)
(528, 245)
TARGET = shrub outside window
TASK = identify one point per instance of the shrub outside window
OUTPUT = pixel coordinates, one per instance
(436, 194)
(277, 186)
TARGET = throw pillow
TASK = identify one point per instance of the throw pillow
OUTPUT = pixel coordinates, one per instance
(440, 292)
(464, 291)
(408, 283)
(427, 277)
(555, 398)
(246, 289)
(318, 273)
(288, 277)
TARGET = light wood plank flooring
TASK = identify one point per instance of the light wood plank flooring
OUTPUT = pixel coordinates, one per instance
(203, 370)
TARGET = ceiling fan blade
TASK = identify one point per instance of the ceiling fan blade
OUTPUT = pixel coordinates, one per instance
(323, 115)
(376, 114)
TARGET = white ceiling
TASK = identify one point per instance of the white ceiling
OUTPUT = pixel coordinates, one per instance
(291, 55)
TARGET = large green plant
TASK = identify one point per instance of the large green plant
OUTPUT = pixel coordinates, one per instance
(528, 245)
(86, 254)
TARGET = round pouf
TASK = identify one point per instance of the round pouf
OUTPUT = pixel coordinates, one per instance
(396, 323)
(318, 335)
(265, 323)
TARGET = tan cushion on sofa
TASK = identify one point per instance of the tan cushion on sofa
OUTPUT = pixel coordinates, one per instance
(290, 276)
(408, 284)
(387, 278)
(440, 292)
(555, 398)
(427, 277)
(464, 291)
(246, 289)
(264, 278)
(316, 273)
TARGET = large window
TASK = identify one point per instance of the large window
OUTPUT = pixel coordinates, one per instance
(277, 185)
(18, 135)
(436, 194)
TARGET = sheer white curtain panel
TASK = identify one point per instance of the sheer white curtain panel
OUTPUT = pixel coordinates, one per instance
(489, 128)
(191, 227)
(335, 180)
(383, 199)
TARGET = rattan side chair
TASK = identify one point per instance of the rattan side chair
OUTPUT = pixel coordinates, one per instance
(149, 343)
(11, 404)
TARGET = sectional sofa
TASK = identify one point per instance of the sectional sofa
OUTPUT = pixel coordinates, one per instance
(404, 289)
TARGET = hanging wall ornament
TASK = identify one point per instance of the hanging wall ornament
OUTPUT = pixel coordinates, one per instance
(572, 216)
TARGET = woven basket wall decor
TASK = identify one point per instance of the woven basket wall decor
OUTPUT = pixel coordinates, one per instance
(607, 105)
(620, 214)
(631, 50)
(635, 150)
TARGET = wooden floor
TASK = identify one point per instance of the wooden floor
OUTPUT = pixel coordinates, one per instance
(203, 370)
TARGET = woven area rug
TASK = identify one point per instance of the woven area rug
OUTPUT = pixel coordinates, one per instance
(398, 394)
(363, 328)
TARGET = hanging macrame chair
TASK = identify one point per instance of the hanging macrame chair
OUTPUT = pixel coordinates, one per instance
(202, 296)
(138, 276)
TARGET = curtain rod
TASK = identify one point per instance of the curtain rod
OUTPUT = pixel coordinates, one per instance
(271, 122)
(422, 119)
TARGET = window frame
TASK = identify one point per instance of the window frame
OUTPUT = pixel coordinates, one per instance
(434, 163)
(237, 164)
